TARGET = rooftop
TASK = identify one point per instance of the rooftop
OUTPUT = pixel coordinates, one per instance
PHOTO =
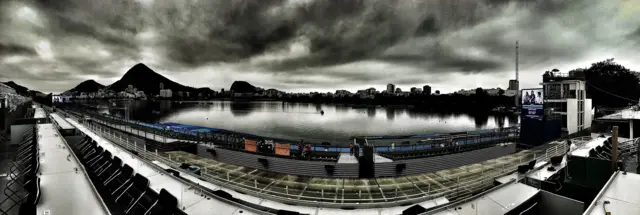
(626, 114)
(618, 196)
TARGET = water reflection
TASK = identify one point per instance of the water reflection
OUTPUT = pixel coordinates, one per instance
(371, 112)
(481, 120)
(391, 113)
(241, 109)
(304, 121)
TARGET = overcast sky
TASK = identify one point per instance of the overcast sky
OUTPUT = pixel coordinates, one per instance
(312, 45)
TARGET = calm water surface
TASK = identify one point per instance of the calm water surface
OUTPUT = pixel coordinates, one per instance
(304, 121)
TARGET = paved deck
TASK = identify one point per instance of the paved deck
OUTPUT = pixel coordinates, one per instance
(39, 113)
(621, 193)
(60, 121)
(64, 190)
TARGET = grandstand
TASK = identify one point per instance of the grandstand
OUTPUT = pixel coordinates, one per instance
(347, 192)
(493, 185)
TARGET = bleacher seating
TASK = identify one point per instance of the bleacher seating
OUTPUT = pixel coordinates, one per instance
(432, 152)
(123, 191)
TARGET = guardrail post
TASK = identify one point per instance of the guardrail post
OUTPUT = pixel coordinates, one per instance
(322, 193)
(286, 188)
(255, 183)
(227, 176)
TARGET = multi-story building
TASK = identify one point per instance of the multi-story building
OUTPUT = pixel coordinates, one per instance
(426, 89)
(372, 91)
(565, 99)
(343, 93)
(166, 93)
(390, 88)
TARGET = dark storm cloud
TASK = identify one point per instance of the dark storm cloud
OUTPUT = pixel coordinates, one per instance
(296, 42)
(15, 49)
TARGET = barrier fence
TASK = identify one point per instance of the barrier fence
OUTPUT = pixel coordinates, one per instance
(233, 140)
(380, 192)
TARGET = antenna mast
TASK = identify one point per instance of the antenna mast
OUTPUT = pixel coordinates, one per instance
(517, 97)
(517, 65)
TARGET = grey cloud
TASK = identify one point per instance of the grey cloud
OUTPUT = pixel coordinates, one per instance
(15, 49)
(429, 37)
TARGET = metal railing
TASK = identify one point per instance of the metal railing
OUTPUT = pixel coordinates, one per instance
(455, 188)
(22, 174)
(235, 141)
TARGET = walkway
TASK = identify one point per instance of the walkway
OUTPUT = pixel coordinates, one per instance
(65, 187)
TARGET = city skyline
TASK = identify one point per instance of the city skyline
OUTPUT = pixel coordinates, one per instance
(306, 46)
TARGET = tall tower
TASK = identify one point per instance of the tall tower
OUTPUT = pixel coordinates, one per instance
(517, 97)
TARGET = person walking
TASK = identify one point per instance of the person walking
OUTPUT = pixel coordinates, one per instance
(351, 148)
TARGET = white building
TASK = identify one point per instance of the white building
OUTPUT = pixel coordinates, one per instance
(565, 99)
(166, 93)
(390, 88)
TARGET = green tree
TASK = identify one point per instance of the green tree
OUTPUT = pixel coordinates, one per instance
(610, 84)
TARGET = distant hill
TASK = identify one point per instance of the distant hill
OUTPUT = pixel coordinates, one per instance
(22, 90)
(242, 87)
(88, 86)
(145, 79)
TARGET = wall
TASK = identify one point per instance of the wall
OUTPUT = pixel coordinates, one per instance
(317, 168)
(588, 118)
(572, 116)
(434, 164)
(282, 165)
(553, 204)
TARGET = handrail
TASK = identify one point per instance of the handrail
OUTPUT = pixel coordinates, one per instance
(235, 143)
(472, 136)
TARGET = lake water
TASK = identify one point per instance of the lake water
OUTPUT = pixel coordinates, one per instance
(304, 121)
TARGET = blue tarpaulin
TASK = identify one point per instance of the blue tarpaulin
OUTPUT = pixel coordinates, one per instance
(179, 127)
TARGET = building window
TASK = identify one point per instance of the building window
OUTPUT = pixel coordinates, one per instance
(564, 121)
(552, 91)
(565, 91)
(572, 94)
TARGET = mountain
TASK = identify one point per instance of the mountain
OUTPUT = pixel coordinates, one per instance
(88, 86)
(19, 88)
(145, 79)
(242, 87)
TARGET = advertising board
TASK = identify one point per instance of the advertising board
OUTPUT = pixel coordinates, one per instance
(532, 101)
(250, 145)
(283, 149)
